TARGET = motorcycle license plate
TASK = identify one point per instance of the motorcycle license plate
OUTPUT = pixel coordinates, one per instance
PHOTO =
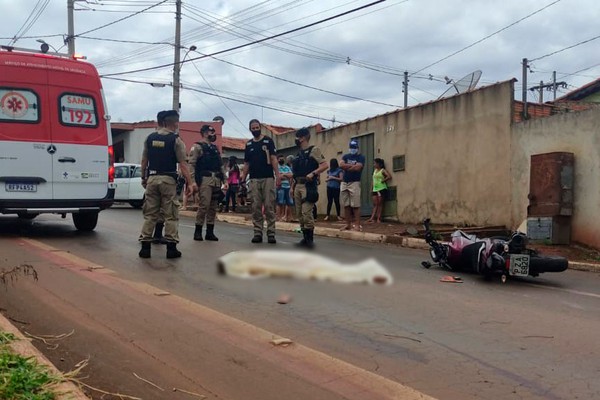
(519, 265)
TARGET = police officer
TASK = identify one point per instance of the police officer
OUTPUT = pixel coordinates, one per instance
(163, 151)
(158, 237)
(306, 167)
(207, 172)
(260, 161)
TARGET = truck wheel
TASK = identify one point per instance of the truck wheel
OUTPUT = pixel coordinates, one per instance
(85, 221)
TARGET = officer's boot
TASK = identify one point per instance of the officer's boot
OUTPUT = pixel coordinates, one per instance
(304, 241)
(157, 238)
(198, 233)
(210, 233)
(146, 250)
(172, 251)
(310, 238)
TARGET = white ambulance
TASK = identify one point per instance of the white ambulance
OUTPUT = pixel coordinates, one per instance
(56, 151)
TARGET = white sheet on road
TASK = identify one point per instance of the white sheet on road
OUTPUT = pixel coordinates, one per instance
(301, 265)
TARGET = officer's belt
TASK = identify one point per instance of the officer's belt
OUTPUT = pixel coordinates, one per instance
(301, 180)
(166, 173)
(214, 174)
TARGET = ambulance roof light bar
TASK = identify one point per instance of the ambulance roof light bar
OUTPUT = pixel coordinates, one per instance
(41, 51)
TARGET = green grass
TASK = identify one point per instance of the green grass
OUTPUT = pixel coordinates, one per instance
(23, 378)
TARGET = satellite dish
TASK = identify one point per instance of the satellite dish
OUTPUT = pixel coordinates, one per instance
(219, 119)
(463, 85)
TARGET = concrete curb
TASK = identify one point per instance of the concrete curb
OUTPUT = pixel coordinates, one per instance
(409, 242)
(23, 347)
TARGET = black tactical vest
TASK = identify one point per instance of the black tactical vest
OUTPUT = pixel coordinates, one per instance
(210, 161)
(162, 159)
(304, 164)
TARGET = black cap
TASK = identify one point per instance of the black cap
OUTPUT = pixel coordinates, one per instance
(206, 128)
(170, 113)
(160, 117)
(302, 132)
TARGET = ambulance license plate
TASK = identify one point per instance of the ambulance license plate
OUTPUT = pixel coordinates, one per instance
(20, 187)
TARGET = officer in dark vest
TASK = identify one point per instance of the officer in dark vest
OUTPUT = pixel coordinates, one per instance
(158, 237)
(163, 152)
(207, 172)
(306, 167)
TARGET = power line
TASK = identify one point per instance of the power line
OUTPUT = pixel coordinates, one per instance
(238, 101)
(486, 37)
(210, 86)
(251, 43)
(304, 85)
(32, 18)
(566, 48)
(122, 19)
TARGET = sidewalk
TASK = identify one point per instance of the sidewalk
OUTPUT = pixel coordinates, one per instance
(395, 233)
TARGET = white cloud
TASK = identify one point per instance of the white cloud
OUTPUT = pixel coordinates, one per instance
(395, 35)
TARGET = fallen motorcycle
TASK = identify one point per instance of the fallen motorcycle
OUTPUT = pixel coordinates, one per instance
(494, 256)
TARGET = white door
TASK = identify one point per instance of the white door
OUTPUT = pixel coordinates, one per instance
(80, 163)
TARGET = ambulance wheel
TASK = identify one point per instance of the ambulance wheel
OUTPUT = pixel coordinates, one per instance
(26, 216)
(85, 221)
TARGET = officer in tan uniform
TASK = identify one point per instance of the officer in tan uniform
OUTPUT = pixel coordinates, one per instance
(306, 167)
(207, 172)
(163, 151)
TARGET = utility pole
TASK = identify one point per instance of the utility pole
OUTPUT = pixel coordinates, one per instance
(176, 64)
(405, 86)
(70, 40)
(554, 84)
(549, 86)
(524, 92)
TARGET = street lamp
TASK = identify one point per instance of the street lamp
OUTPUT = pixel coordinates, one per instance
(176, 73)
(46, 46)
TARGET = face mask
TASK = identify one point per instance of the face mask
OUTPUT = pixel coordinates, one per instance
(297, 141)
(212, 138)
(256, 133)
(280, 162)
(353, 151)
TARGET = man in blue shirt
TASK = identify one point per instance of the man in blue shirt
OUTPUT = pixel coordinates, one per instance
(352, 164)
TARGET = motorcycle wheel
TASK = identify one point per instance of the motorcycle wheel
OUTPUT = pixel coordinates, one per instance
(539, 264)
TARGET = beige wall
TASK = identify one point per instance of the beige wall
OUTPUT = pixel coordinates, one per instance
(577, 133)
(457, 163)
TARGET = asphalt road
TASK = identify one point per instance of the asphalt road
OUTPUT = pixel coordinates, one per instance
(527, 339)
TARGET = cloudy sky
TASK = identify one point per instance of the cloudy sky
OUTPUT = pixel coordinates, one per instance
(341, 70)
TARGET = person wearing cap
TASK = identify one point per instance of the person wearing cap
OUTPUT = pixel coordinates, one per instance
(207, 172)
(307, 165)
(352, 164)
(260, 163)
(163, 152)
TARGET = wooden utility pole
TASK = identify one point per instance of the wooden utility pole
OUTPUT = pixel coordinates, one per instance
(177, 61)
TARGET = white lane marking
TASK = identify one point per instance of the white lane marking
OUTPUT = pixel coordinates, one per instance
(578, 292)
